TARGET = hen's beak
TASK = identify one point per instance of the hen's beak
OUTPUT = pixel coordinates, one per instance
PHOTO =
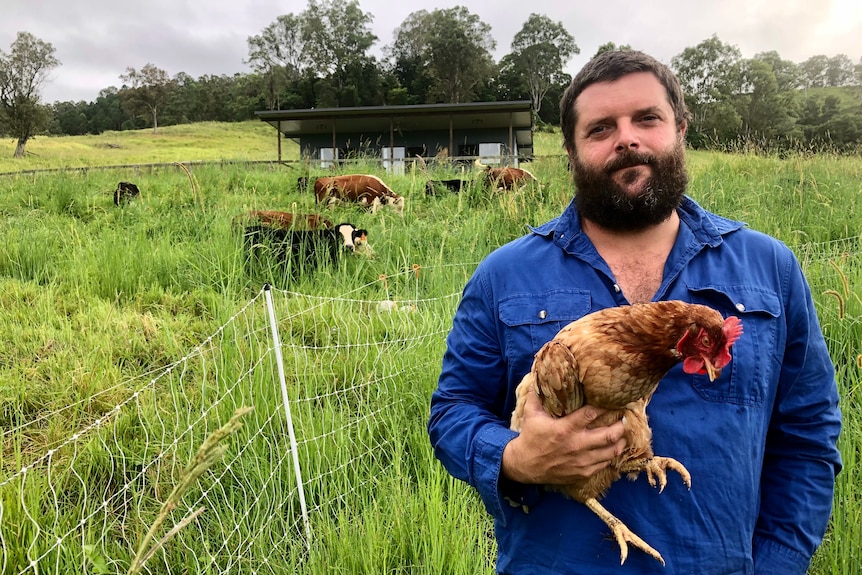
(712, 371)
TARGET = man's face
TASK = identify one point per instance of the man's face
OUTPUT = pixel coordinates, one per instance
(629, 166)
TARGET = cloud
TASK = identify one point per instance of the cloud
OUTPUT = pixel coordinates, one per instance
(97, 40)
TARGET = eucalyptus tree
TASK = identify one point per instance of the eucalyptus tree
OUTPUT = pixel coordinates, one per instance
(540, 50)
(147, 90)
(336, 38)
(277, 54)
(814, 71)
(788, 74)
(710, 74)
(840, 71)
(106, 112)
(451, 48)
(22, 72)
(408, 59)
(768, 113)
(610, 46)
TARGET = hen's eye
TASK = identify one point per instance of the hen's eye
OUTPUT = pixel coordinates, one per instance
(705, 341)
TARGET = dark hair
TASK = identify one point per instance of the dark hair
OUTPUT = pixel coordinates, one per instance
(612, 65)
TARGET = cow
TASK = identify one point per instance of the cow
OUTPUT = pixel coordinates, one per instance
(506, 178)
(125, 191)
(303, 249)
(454, 185)
(368, 191)
(285, 220)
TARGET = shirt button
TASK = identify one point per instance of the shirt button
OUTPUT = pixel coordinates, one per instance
(617, 288)
(543, 314)
(740, 307)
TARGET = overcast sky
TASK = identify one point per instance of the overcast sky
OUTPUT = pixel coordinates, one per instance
(96, 40)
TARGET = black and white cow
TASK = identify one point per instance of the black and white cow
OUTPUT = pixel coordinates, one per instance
(303, 249)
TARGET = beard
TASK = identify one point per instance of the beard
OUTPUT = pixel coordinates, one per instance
(601, 200)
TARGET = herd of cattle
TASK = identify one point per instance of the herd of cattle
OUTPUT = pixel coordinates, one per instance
(306, 240)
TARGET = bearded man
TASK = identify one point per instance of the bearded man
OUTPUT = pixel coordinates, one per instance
(759, 441)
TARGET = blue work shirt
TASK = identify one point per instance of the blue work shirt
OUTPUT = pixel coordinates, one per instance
(760, 441)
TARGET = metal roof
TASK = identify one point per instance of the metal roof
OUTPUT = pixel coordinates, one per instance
(516, 116)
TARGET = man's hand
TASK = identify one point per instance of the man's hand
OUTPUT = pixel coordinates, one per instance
(552, 450)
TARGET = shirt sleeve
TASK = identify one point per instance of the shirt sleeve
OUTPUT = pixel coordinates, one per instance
(467, 430)
(801, 458)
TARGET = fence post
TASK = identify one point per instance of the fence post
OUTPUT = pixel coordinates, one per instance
(276, 342)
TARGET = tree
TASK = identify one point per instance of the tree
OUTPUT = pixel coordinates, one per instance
(22, 73)
(814, 71)
(149, 89)
(336, 37)
(767, 113)
(787, 74)
(539, 51)
(709, 74)
(277, 54)
(106, 113)
(840, 71)
(451, 47)
(70, 118)
(610, 47)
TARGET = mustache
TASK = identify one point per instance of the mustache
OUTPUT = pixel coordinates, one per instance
(629, 159)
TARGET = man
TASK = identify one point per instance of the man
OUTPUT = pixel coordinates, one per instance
(760, 444)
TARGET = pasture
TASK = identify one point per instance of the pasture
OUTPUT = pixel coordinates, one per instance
(130, 334)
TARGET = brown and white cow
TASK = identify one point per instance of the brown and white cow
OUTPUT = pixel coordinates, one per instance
(507, 178)
(286, 220)
(368, 191)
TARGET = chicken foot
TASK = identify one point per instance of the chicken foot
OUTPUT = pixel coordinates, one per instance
(621, 533)
(656, 470)
(657, 467)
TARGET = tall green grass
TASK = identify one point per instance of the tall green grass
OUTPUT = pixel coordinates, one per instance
(95, 296)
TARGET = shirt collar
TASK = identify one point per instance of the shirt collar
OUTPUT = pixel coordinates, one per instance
(707, 228)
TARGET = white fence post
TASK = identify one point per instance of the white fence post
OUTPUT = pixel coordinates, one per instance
(276, 341)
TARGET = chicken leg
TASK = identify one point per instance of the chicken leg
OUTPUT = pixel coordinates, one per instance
(656, 471)
(622, 533)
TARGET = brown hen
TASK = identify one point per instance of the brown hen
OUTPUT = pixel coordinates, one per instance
(614, 359)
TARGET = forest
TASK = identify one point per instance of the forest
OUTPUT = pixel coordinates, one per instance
(322, 57)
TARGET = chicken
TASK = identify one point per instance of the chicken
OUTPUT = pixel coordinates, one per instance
(614, 359)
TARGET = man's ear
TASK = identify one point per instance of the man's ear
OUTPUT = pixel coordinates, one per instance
(683, 126)
(570, 153)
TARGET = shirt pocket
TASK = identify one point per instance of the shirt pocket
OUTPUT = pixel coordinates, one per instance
(754, 353)
(532, 320)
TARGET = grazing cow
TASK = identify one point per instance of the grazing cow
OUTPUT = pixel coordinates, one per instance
(303, 249)
(368, 191)
(125, 191)
(285, 220)
(506, 178)
(455, 185)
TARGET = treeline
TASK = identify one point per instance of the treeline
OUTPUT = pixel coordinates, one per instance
(768, 102)
(321, 57)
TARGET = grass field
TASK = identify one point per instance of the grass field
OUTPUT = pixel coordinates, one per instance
(95, 299)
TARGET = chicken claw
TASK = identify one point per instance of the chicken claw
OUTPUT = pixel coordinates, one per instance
(622, 533)
(656, 467)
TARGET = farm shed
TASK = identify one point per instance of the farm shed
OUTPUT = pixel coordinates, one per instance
(495, 132)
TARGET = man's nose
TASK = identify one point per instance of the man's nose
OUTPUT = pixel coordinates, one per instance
(627, 137)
